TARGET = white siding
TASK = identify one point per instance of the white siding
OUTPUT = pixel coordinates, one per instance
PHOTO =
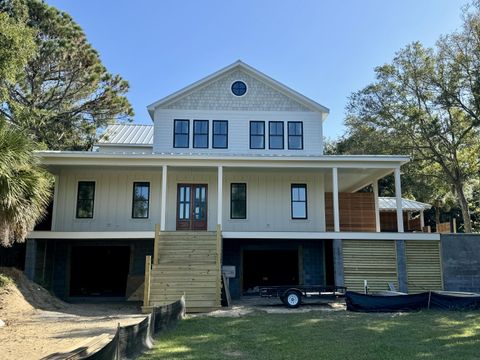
(238, 131)
(268, 199)
(113, 200)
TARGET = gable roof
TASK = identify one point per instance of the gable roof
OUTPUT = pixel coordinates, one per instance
(390, 204)
(307, 102)
(127, 134)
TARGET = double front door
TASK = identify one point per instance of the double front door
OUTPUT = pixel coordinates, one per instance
(192, 207)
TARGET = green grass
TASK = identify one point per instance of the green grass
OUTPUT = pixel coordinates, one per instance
(324, 335)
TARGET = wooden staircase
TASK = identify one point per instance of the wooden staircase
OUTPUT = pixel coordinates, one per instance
(186, 263)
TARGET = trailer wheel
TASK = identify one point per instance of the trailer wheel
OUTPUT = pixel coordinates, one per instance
(293, 299)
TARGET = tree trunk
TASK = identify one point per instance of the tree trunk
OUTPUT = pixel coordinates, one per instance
(467, 223)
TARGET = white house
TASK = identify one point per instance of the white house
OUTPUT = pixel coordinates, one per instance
(233, 173)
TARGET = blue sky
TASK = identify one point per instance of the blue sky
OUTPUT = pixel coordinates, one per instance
(323, 49)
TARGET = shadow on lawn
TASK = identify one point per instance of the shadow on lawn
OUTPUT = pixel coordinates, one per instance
(339, 335)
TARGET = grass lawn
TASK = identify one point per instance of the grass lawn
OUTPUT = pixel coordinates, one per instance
(324, 335)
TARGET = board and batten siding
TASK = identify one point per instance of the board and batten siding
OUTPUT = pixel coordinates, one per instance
(113, 200)
(238, 131)
(268, 199)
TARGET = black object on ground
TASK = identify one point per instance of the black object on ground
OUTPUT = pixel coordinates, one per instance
(413, 302)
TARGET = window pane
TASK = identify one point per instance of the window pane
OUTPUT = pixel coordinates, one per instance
(85, 208)
(86, 190)
(276, 128)
(276, 142)
(301, 194)
(200, 126)
(219, 141)
(299, 210)
(85, 199)
(257, 128)
(294, 142)
(220, 127)
(294, 128)
(220, 134)
(257, 142)
(200, 141)
(181, 141)
(181, 211)
(140, 209)
(238, 201)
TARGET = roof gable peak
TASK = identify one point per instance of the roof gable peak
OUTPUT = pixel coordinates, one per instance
(276, 86)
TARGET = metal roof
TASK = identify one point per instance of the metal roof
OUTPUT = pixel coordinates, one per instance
(390, 204)
(127, 134)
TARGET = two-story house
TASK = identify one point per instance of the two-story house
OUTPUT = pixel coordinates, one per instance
(233, 173)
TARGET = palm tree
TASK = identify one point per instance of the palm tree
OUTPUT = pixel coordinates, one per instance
(25, 188)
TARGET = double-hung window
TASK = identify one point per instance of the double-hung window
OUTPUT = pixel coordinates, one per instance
(275, 135)
(220, 134)
(200, 134)
(295, 135)
(141, 200)
(299, 201)
(85, 199)
(257, 134)
(181, 133)
(238, 201)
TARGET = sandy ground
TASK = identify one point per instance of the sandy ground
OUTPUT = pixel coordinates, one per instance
(249, 304)
(38, 324)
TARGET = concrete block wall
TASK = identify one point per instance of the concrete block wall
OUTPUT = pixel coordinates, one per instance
(313, 263)
(461, 262)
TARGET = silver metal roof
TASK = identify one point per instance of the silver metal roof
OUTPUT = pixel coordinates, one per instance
(390, 204)
(127, 134)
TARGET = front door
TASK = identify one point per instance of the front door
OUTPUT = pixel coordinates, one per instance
(192, 207)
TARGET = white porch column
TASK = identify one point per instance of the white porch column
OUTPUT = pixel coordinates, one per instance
(398, 195)
(422, 220)
(163, 210)
(220, 196)
(377, 208)
(336, 210)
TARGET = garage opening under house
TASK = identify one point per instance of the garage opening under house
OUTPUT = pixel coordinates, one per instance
(227, 177)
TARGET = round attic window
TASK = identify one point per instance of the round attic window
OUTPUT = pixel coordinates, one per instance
(239, 88)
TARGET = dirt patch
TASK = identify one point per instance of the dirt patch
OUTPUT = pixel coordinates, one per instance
(250, 304)
(39, 324)
(22, 295)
